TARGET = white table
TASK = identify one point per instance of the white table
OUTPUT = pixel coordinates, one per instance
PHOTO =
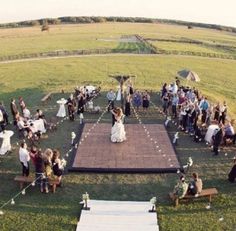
(37, 125)
(210, 132)
(62, 110)
(90, 89)
(6, 143)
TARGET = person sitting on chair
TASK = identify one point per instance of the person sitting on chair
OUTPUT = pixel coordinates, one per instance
(195, 186)
(229, 133)
(181, 188)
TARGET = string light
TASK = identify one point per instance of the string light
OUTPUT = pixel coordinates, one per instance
(221, 219)
(23, 192)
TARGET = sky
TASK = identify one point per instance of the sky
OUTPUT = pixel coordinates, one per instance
(206, 11)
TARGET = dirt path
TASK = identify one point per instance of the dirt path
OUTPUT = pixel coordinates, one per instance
(105, 55)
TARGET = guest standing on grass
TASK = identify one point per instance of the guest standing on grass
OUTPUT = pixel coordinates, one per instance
(127, 105)
(217, 112)
(71, 103)
(4, 112)
(146, 100)
(40, 171)
(111, 96)
(48, 154)
(2, 122)
(204, 105)
(217, 138)
(22, 104)
(14, 110)
(223, 113)
(24, 159)
(137, 100)
(57, 165)
(81, 103)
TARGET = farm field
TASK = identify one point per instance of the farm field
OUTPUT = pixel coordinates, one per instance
(105, 35)
(32, 79)
(217, 76)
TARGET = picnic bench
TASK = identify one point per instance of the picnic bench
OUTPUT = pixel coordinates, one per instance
(46, 97)
(210, 192)
(24, 179)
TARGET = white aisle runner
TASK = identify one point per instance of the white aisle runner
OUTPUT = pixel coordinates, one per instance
(118, 216)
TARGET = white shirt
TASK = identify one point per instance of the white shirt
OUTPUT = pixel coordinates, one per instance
(24, 156)
(26, 113)
(1, 116)
(21, 124)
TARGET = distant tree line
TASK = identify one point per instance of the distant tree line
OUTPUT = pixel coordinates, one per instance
(80, 20)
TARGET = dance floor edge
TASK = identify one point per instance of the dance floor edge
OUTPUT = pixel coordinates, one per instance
(147, 151)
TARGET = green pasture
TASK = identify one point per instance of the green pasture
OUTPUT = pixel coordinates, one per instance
(176, 46)
(30, 40)
(217, 76)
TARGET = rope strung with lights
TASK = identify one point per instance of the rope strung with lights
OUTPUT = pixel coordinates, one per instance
(66, 155)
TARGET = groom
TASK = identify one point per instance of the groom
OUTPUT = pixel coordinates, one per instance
(113, 116)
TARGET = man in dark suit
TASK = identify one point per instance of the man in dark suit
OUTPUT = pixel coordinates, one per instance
(4, 112)
(113, 112)
(217, 138)
(71, 103)
(14, 110)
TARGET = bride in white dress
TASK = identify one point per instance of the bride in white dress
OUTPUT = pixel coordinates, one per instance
(118, 134)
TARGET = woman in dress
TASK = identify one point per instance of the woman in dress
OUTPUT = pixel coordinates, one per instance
(146, 100)
(62, 110)
(47, 156)
(118, 134)
(137, 100)
(6, 142)
(57, 166)
(217, 112)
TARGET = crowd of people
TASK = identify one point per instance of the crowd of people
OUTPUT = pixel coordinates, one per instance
(194, 187)
(195, 114)
(137, 98)
(47, 163)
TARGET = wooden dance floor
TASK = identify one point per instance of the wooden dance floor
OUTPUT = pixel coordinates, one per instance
(96, 153)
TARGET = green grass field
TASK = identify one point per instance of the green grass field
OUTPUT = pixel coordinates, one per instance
(89, 36)
(33, 79)
(170, 46)
(217, 76)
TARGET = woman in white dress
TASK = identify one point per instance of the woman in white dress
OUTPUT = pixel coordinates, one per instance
(6, 143)
(118, 134)
(62, 109)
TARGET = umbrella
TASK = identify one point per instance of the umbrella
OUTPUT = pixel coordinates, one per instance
(189, 75)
